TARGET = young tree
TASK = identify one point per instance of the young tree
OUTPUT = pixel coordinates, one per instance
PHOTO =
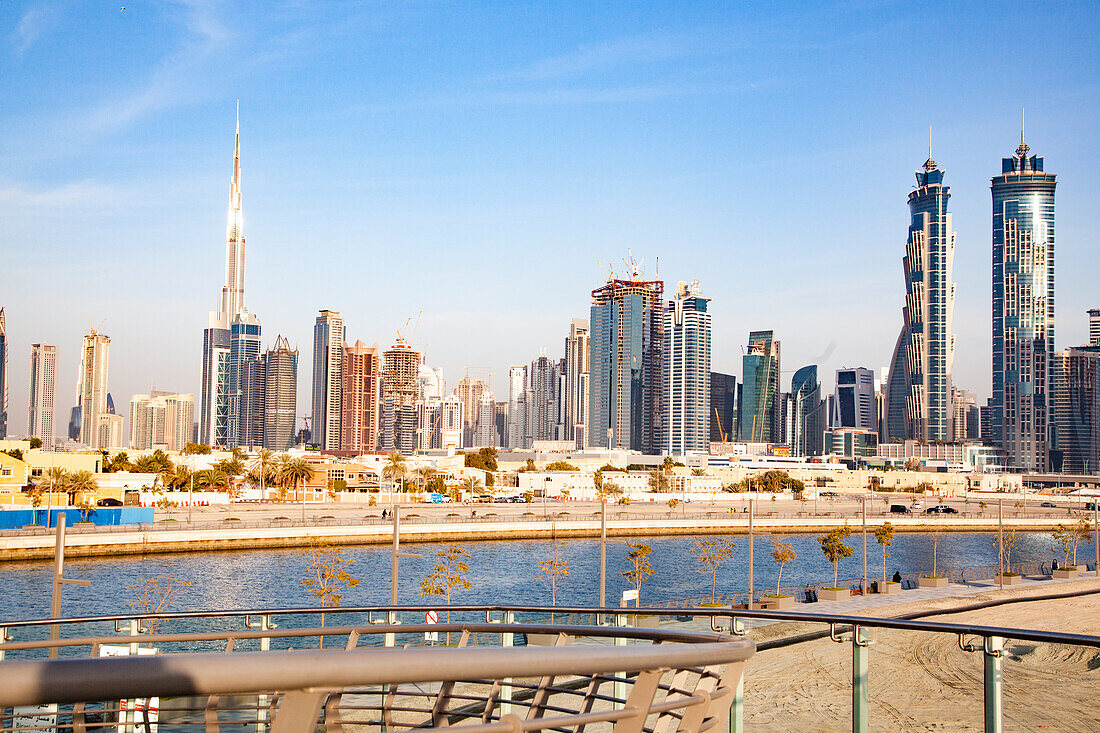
(884, 535)
(782, 553)
(553, 569)
(448, 573)
(1006, 547)
(327, 577)
(1081, 533)
(155, 595)
(832, 545)
(472, 484)
(1064, 541)
(712, 554)
(640, 570)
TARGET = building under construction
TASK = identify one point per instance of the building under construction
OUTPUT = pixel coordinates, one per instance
(400, 393)
(626, 390)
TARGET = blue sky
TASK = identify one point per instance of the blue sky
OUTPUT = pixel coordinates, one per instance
(475, 160)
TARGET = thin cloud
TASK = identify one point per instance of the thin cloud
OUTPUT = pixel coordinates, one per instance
(85, 195)
(610, 54)
(32, 25)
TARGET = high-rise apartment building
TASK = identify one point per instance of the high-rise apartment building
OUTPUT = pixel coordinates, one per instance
(687, 372)
(328, 354)
(723, 408)
(359, 398)
(1075, 409)
(626, 389)
(1094, 326)
(469, 390)
(966, 418)
(807, 413)
(1023, 309)
(542, 408)
(451, 423)
(109, 431)
(280, 395)
(232, 333)
(854, 403)
(3, 375)
(919, 388)
(485, 435)
(92, 385)
(760, 370)
(517, 435)
(161, 420)
(575, 393)
(43, 393)
(400, 394)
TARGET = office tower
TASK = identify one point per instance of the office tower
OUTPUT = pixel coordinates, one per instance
(359, 398)
(74, 421)
(452, 422)
(1094, 326)
(542, 409)
(985, 417)
(280, 395)
(223, 361)
(807, 413)
(687, 372)
(253, 389)
(919, 389)
(1075, 408)
(469, 390)
(964, 415)
(109, 431)
(429, 407)
(328, 352)
(42, 394)
(92, 385)
(3, 376)
(517, 436)
(626, 391)
(854, 404)
(161, 420)
(576, 373)
(500, 420)
(1023, 308)
(400, 393)
(723, 408)
(759, 386)
(485, 434)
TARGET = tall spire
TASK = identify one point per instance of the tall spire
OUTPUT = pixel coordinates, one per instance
(1022, 151)
(232, 300)
(929, 165)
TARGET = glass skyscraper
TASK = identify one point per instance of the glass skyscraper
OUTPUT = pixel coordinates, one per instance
(687, 372)
(1023, 309)
(759, 385)
(626, 395)
(809, 413)
(919, 387)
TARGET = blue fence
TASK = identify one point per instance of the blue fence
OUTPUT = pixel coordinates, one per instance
(104, 515)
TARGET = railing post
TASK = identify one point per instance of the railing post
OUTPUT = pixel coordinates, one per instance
(993, 683)
(390, 638)
(860, 645)
(737, 707)
(263, 701)
(507, 639)
(620, 683)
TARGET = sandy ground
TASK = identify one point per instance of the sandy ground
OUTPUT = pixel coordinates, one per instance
(924, 682)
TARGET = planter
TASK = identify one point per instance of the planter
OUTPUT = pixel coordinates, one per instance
(1008, 579)
(776, 603)
(1065, 573)
(715, 606)
(928, 581)
(834, 594)
(888, 587)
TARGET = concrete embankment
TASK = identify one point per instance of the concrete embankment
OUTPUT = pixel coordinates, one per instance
(255, 536)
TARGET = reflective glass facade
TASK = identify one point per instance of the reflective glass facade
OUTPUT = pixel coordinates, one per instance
(687, 373)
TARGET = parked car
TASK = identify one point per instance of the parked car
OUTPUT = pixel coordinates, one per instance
(916, 505)
(828, 494)
(1049, 504)
(108, 502)
(941, 509)
(900, 509)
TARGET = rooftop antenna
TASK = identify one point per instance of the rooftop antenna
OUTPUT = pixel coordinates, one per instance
(929, 165)
(1021, 152)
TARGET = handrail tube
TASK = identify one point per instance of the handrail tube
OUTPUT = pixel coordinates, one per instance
(174, 675)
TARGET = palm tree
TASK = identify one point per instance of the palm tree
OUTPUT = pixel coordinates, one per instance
(293, 471)
(145, 464)
(177, 478)
(472, 484)
(395, 467)
(80, 482)
(262, 465)
(54, 479)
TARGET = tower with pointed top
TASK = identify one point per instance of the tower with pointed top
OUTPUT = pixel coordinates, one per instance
(919, 386)
(232, 336)
(1023, 309)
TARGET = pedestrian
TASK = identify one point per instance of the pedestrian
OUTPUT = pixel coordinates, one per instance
(897, 576)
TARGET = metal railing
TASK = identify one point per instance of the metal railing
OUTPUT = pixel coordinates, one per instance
(479, 683)
(663, 681)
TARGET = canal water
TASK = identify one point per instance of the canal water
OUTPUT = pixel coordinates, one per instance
(501, 572)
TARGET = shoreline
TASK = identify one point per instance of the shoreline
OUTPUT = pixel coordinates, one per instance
(256, 536)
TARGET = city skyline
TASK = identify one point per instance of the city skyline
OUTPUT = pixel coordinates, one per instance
(794, 303)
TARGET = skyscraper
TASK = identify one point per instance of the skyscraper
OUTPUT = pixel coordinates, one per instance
(517, 436)
(1075, 410)
(161, 420)
(232, 335)
(723, 408)
(919, 388)
(469, 390)
(807, 413)
(359, 398)
(626, 391)
(1023, 309)
(280, 402)
(1094, 326)
(92, 385)
(854, 405)
(542, 410)
(400, 393)
(577, 361)
(687, 372)
(328, 354)
(759, 387)
(43, 392)
(3, 376)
